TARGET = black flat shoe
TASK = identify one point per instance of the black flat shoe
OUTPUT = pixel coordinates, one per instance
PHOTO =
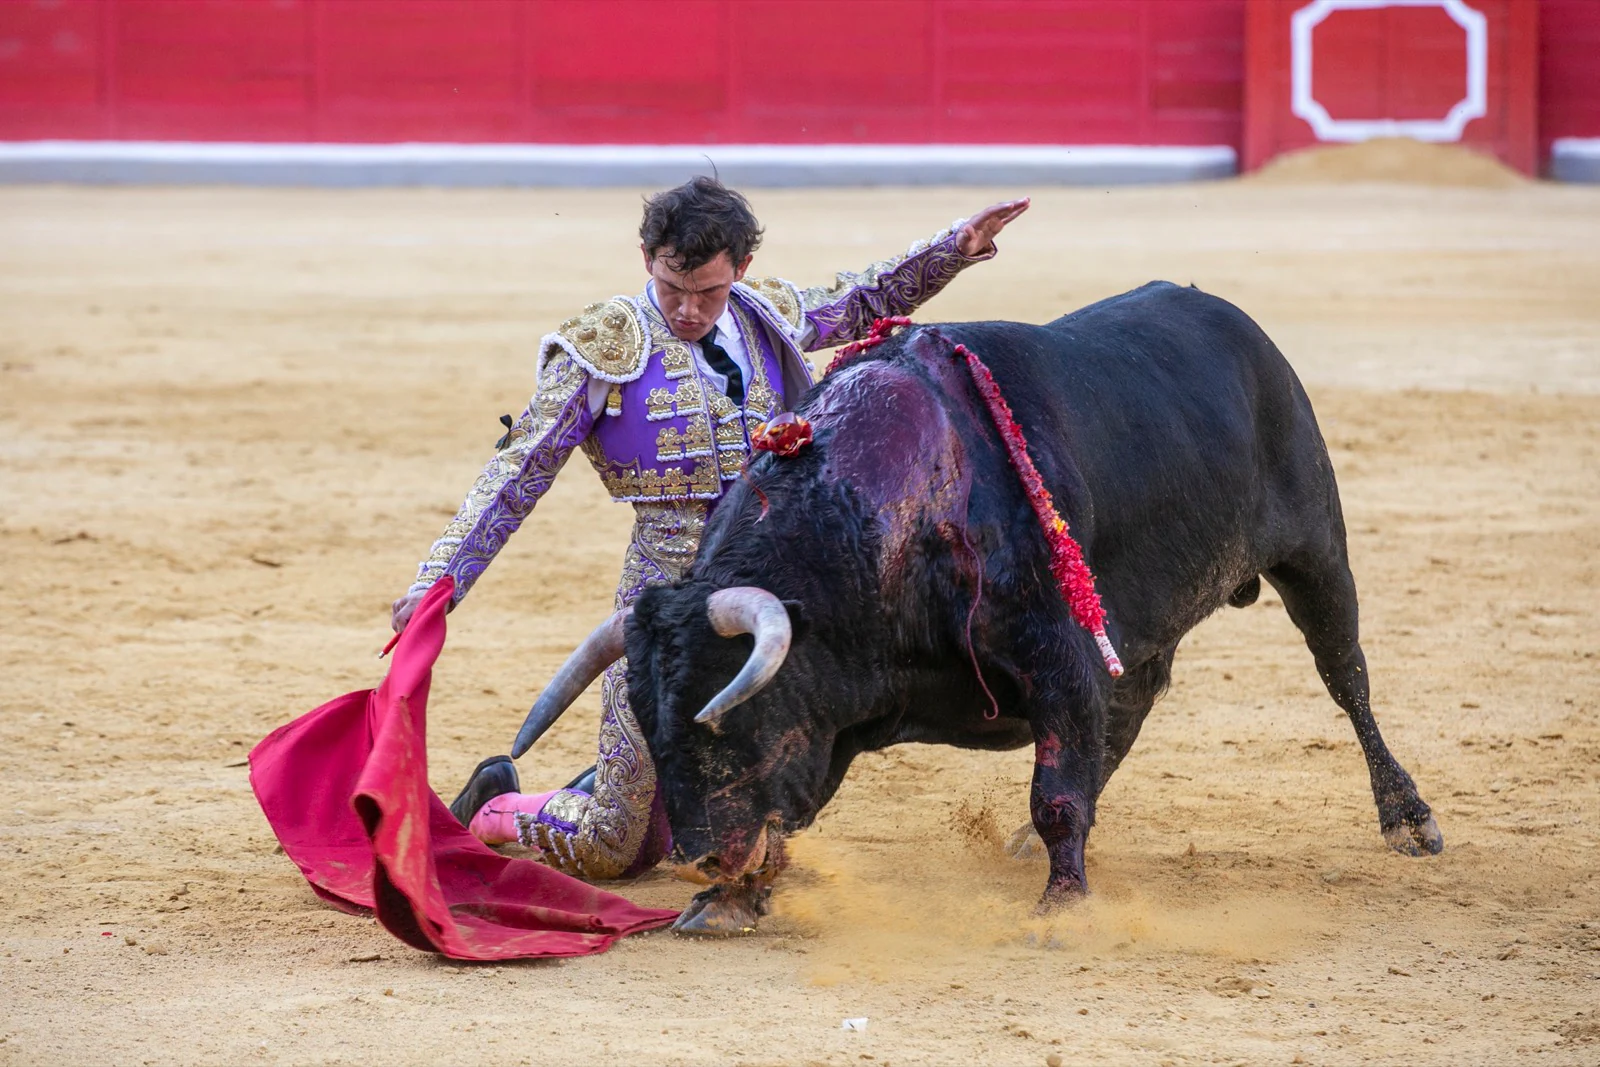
(493, 776)
(585, 781)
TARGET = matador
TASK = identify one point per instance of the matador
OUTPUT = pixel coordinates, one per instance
(661, 392)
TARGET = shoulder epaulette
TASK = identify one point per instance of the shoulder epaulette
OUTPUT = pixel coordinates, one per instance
(607, 339)
(782, 295)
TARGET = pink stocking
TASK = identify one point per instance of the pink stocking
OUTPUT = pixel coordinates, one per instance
(496, 821)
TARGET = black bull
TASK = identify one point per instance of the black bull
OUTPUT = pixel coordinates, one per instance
(1185, 457)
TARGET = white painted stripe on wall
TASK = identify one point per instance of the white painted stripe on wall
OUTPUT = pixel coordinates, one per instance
(185, 162)
(1575, 159)
(257, 151)
(1576, 147)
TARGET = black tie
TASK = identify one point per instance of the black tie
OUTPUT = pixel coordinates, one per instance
(723, 363)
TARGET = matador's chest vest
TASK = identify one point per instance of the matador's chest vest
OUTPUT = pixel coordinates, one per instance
(667, 433)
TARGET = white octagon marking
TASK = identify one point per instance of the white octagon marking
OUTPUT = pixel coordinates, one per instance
(1327, 128)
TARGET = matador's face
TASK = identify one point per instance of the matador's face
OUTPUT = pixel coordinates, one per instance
(692, 301)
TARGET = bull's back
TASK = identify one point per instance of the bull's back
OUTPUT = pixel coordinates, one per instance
(1180, 437)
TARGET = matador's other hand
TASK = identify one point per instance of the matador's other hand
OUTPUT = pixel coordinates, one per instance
(400, 612)
(977, 235)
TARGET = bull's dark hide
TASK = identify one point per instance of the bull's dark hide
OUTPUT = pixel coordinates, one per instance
(1182, 451)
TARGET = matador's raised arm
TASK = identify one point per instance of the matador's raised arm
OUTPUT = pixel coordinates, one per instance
(844, 311)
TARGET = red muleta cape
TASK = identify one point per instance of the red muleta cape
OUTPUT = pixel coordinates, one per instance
(345, 788)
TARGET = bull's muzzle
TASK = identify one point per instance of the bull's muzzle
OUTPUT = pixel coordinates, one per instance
(758, 858)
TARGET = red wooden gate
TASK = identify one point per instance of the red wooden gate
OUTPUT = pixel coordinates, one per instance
(1339, 71)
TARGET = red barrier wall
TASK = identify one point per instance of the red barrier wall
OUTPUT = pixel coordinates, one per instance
(732, 71)
(750, 71)
(1569, 70)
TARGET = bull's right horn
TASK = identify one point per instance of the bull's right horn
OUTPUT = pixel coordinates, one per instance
(748, 609)
(599, 650)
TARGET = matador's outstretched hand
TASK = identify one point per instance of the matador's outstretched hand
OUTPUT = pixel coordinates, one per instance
(977, 236)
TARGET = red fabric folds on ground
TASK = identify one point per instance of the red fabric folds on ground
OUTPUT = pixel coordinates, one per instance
(345, 788)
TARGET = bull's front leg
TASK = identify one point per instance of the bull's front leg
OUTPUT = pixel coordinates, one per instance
(1066, 775)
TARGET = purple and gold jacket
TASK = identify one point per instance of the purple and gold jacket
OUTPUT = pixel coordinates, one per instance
(665, 434)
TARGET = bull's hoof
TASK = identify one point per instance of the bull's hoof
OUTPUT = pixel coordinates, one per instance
(723, 911)
(1060, 895)
(1416, 839)
(1025, 844)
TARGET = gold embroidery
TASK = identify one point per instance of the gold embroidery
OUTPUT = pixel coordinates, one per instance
(608, 340)
(697, 436)
(782, 295)
(845, 310)
(559, 377)
(566, 805)
(821, 295)
(687, 399)
(731, 463)
(669, 444)
(761, 401)
(677, 361)
(722, 409)
(614, 401)
(668, 535)
(658, 405)
(730, 433)
(611, 827)
(663, 404)
(673, 482)
(676, 483)
(633, 569)
(621, 482)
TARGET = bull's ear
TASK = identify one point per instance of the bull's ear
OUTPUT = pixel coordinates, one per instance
(799, 624)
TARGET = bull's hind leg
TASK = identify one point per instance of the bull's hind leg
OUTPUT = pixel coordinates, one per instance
(1320, 596)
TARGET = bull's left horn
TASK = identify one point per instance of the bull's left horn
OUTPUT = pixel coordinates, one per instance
(599, 650)
(748, 610)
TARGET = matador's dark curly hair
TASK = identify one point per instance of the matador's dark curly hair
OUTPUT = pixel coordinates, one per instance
(696, 221)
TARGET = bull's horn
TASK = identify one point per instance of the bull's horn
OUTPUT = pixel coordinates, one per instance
(748, 610)
(599, 650)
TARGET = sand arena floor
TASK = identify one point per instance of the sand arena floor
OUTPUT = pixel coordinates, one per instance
(231, 421)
